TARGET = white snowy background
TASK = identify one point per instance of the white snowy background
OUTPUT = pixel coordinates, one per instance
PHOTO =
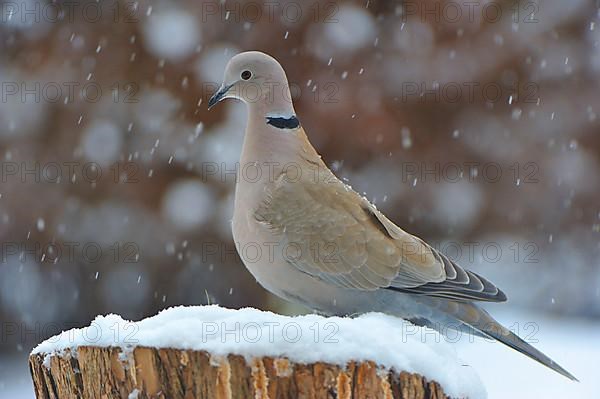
(109, 202)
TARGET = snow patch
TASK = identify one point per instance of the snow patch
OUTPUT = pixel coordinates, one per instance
(354, 28)
(171, 34)
(102, 142)
(389, 341)
(209, 68)
(188, 204)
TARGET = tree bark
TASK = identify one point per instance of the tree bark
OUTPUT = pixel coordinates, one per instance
(103, 373)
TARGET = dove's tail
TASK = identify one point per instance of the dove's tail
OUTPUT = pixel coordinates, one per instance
(513, 340)
(481, 321)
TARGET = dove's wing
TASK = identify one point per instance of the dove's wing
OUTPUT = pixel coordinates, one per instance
(332, 233)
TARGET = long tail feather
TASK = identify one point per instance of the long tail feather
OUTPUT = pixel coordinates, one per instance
(510, 339)
(478, 319)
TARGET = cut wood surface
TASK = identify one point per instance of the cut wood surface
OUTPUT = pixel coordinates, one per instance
(144, 372)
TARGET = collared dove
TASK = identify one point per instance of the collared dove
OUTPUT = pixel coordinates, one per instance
(309, 238)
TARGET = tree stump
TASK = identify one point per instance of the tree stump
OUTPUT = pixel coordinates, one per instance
(145, 372)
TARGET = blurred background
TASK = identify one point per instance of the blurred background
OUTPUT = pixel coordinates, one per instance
(471, 124)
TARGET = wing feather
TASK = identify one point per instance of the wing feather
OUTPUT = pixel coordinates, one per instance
(338, 236)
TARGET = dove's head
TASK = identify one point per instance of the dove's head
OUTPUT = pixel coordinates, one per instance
(258, 80)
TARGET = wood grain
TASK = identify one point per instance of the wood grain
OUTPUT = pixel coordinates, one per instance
(105, 373)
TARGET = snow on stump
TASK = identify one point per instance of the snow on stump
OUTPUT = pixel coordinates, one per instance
(213, 352)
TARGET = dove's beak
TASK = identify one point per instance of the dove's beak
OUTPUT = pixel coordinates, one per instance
(219, 95)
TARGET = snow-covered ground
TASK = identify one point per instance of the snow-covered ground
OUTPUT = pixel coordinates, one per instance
(15, 382)
(574, 343)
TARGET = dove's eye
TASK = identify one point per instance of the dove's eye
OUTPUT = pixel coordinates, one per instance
(246, 75)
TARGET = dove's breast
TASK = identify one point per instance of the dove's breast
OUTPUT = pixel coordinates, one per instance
(260, 248)
(269, 158)
(263, 254)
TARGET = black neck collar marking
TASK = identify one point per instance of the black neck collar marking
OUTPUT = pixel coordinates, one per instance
(283, 123)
